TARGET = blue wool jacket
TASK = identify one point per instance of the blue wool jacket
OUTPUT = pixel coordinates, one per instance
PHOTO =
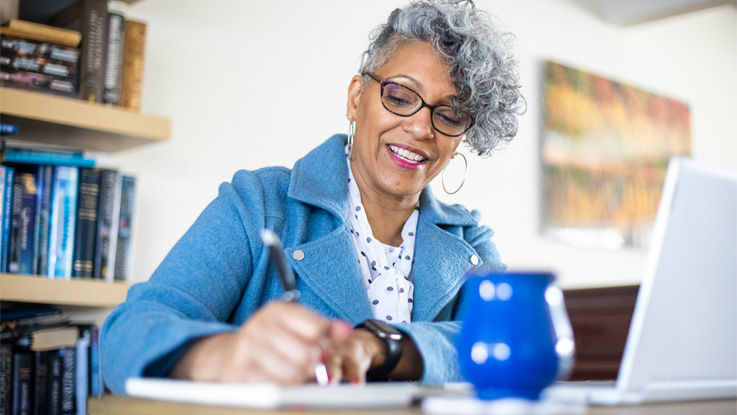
(218, 273)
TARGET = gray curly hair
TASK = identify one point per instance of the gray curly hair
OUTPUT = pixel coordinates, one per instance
(482, 67)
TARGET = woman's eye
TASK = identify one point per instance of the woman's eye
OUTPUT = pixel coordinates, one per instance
(448, 119)
(398, 99)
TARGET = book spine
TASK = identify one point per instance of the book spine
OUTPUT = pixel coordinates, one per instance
(45, 181)
(8, 129)
(15, 47)
(114, 59)
(125, 223)
(16, 224)
(54, 383)
(6, 378)
(108, 206)
(97, 387)
(23, 383)
(26, 254)
(61, 235)
(133, 49)
(40, 383)
(68, 382)
(84, 244)
(39, 82)
(81, 372)
(7, 215)
(40, 157)
(3, 174)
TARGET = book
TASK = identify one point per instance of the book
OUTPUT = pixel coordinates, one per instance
(6, 378)
(43, 208)
(40, 383)
(97, 387)
(3, 243)
(124, 249)
(68, 401)
(7, 215)
(47, 157)
(53, 388)
(25, 48)
(42, 32)
(114, 58)
(39, 65)
(52, 338)
(132, 78)
(84, 244)
(108, 214)
(22, 255)
(38, 82)
(90, 18)
(62, 222)
(81, 371)
(8, 129)
(23, 383)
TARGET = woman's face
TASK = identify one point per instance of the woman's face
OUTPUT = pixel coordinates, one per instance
(395, 155)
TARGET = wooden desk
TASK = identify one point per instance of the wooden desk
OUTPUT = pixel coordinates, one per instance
(117, 405)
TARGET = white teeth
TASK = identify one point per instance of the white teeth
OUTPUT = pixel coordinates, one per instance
(406, 154)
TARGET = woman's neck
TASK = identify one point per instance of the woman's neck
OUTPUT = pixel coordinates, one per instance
(386, 213)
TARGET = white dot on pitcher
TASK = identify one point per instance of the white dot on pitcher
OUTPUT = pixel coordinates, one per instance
(504, 291)
(479, 352)
(501, 351)
(486, 290)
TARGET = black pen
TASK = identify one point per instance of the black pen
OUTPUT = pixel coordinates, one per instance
(291, 293)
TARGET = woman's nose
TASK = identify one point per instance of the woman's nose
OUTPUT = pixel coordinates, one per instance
(419, 124)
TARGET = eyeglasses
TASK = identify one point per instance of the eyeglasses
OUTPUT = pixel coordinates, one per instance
(400, 100)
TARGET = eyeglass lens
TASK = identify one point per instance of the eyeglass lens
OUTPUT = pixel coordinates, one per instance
(403, 101)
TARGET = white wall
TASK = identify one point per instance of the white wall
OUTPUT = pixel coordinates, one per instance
(249, 84)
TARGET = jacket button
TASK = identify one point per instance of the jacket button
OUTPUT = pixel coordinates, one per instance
(298, 255)
(474, 260)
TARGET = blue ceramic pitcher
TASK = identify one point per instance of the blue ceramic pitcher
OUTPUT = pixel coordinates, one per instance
(515, 338)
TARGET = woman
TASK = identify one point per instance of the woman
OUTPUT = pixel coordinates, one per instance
(379, 261)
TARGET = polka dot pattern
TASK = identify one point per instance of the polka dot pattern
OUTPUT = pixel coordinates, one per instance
(387, 270)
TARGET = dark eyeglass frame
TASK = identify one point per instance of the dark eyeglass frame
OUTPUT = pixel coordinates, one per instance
(384, 82)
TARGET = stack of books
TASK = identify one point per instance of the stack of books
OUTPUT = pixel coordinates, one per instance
(39, 57)
(89, 50)
(61, 217)
(47, 364)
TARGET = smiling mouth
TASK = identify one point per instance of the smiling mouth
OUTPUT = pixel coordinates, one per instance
(406, 155)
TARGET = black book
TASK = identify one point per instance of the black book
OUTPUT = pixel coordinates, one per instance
(114, 58)
(6, 378)
(68, 380)
(90, 18)
(53, 388)
(43, 212)
(84, 244)
(23, 383)
(40, 383)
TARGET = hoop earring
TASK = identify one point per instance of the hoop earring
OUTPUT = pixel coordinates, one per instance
(351, 133)
(465, 170)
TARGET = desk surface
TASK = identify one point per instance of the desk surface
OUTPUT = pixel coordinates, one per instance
(118, 405)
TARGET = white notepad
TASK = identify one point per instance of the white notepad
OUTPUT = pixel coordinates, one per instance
(372, 395)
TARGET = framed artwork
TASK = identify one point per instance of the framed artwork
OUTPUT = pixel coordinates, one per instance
(605, 151)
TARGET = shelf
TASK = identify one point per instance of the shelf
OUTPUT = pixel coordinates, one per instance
(82, 292)
(75, 123)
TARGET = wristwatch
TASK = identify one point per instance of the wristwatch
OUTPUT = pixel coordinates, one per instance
(392, 339)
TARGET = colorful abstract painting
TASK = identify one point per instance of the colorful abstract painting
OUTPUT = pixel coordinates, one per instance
(605, 151)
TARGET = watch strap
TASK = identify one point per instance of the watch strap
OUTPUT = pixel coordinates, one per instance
(391, 338)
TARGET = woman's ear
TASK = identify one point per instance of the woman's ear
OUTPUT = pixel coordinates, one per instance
(355, 88)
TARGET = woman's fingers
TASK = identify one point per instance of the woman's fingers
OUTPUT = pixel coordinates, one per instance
(351, 357)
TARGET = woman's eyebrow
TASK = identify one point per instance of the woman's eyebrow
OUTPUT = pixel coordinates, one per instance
(418, 85)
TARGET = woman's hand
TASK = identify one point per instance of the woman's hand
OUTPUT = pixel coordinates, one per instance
(281, 343)
(352, 356)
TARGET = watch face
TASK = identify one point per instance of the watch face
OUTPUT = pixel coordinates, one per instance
(384, 330)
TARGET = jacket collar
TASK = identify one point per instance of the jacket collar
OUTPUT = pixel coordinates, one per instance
(441, 257)
(318, 179)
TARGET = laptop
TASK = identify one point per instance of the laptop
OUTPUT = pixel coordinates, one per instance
(682, 342)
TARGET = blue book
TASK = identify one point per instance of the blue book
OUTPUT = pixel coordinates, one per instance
(7, 214)
(3, 172)
(24, 221)
(126, 216)
(62, 222)
(50, 157)
(82, 372)
(8, 129)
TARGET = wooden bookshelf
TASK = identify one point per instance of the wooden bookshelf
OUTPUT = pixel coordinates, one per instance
(75, 123)
(81, 292)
